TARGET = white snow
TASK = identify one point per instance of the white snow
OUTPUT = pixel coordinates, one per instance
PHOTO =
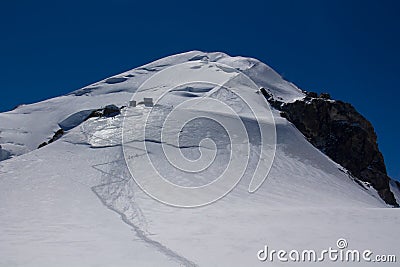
(396, 190)
(74, 203)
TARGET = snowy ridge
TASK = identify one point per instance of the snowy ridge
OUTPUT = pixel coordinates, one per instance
(23, 129)
(74, 202)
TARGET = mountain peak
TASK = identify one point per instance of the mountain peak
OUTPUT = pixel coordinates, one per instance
(127, 156)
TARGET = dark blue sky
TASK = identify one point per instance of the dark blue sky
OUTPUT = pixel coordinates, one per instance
(347, 48)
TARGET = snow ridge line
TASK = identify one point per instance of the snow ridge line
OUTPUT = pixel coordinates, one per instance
(154, 141)
(110, 176)
(139, 232)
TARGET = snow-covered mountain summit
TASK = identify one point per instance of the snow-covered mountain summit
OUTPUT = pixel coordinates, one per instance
(24, 128)
(74, 202)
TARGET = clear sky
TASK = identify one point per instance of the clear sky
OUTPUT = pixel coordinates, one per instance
(350, 49)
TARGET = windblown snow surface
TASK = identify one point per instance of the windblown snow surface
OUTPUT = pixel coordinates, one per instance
(74, 202)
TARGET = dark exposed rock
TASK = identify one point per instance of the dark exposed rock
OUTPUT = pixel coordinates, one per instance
(42, 145)
(311, 94)
(343, 134)
(77, 118)
(325, 96)
(57, 135)
(94, 114)
(273, 102)
(111, 111)
(265, 93)
(108, 111)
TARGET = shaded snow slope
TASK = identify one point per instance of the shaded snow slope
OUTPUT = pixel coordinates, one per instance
(74, 203)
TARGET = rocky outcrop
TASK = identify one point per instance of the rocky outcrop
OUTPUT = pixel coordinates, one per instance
(343, 134)
(77, 118)
(57, 135)
(107, 111)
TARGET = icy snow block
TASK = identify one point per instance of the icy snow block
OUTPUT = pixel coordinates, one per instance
(4, 154)
(132, 103)
(75, 119)
(148, 101)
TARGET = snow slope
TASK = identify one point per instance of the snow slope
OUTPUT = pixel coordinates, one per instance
(74, 203)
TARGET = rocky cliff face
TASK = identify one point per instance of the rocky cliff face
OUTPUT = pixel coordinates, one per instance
(343, 134)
